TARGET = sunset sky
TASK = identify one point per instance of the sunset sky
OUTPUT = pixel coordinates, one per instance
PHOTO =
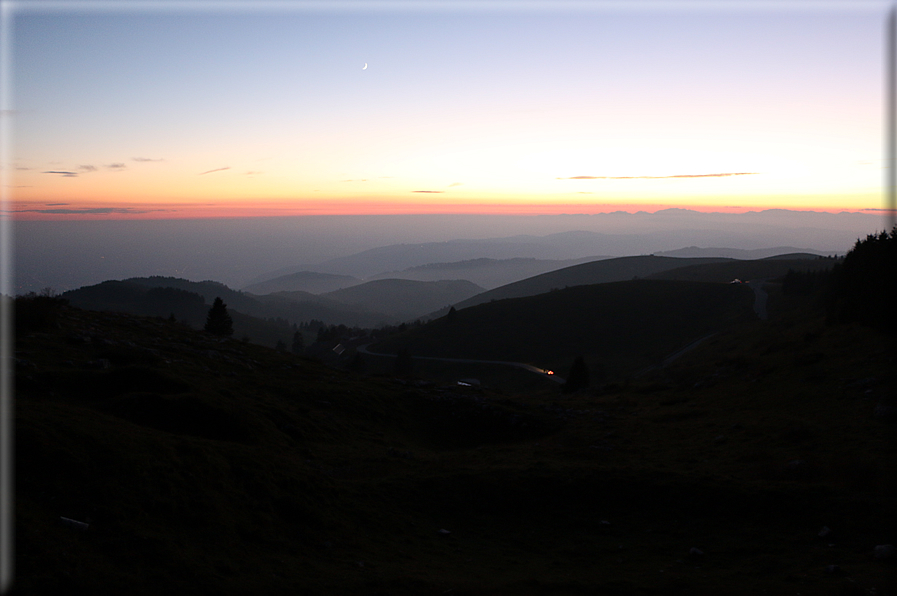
(158, 110)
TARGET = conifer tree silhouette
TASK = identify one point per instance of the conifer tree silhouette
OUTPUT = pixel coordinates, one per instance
(219, 322)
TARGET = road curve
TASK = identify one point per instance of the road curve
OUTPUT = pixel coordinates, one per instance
(363, 349)
(760, 297)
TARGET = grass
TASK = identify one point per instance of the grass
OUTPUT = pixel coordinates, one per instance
(215, 466)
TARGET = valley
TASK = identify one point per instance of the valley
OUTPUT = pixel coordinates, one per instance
(759, 460)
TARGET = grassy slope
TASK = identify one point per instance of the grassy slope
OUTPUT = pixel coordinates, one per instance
(593, 272)
(216, 467)
(624, 325)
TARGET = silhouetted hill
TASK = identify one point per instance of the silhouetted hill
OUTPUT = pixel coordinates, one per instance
(187, 307)
(738, 253)
(303, 281)
(208, 289)
(603, 271)
(746, 270)
(152, 459)
(305, 307)
(264, 319)
(404, 298)
(623, 325)
(487, 273)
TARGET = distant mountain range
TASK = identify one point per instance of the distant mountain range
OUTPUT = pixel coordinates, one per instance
(303, 281)
(569, 246)
(243, 251)
(389, 301)
(485, 271)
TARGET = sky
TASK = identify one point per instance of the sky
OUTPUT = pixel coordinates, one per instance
(207, 109)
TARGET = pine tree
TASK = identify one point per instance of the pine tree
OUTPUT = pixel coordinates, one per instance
(298, 346)
(864, 286)
(219, 322)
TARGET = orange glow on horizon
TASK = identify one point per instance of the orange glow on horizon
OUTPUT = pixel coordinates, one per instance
(83, 211)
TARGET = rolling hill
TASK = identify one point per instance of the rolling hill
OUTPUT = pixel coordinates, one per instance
(487, 273)
(405, 299)
(624, 326)
(189, 303)
(303, 281)
(776, 266)
(152, 458)
(738, 253)
(593, 272)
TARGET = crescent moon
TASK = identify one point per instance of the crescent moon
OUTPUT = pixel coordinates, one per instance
(365, 66)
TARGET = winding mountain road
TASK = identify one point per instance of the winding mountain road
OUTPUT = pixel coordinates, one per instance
(363, 349)
(760, 297)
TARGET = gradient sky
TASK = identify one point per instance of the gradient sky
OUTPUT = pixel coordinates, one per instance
(203, 109)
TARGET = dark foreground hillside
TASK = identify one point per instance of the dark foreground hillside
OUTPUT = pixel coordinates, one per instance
(760, 462)
(622, 327)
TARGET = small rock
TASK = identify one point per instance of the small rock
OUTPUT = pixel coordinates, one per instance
(883, 551)
(825, 531)
(695, 552)
(444, 532)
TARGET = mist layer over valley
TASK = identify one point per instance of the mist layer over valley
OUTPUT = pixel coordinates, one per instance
(240, 252)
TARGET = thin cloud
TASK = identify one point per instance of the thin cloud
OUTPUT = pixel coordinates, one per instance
(116, 166)
(357, 180)
(88, 211)
(253, 173)
(22, 168)
(430, 191)
(145, 159)
(215, 170)
(455, 184)
(87, 168)
(722, 175)
(64, 174)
